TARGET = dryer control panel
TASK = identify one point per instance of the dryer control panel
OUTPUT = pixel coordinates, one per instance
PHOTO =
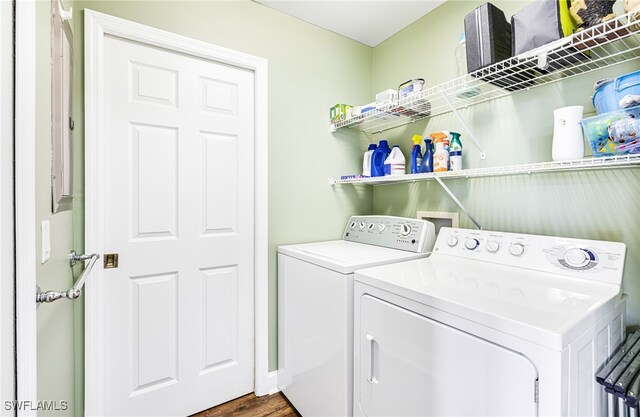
(592, 259)
(402, 233)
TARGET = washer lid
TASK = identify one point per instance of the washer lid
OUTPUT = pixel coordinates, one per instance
(543, 308)
(345, 257)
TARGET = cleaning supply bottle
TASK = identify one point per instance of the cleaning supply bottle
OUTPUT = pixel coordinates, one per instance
(440, 156)
(427, 157)
(446, 142)
(378, 157)
(416, 154)
(366, 162)
(455, 152)
(395, 164)
(446, 139)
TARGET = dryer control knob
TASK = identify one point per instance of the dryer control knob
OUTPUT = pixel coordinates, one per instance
(381, 227)
(516, 249)
(493, 246)
(471, 244)
(353, 225)
(577, 257)
(405, 229)
(452, 241)
(372, 226)
(362, 224)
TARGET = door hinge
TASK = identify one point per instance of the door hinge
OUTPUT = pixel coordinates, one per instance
(535, 391)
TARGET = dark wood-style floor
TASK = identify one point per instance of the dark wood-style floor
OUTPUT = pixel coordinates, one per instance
(275, 405)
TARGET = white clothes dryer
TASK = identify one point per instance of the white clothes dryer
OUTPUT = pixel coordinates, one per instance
(315, 307)
(491, 324)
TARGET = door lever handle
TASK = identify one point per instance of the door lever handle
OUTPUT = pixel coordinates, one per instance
(75, 291)
(74, 257)
(51, 296)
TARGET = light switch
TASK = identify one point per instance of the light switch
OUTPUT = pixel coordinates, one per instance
(45, 231)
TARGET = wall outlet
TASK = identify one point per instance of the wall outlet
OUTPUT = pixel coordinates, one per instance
(45, 232)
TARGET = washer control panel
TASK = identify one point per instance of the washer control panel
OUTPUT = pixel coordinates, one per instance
(597, 260)
(413, 235)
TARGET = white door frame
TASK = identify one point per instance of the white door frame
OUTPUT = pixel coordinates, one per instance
(7, 259)
(25, 201)
(97, 27)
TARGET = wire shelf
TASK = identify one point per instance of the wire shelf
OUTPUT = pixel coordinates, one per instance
(601, 46)
(607, 162)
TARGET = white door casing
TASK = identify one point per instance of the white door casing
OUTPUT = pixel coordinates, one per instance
(7, 289)
(25, 202)
(153, 181)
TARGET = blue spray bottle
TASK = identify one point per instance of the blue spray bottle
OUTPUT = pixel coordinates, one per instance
(427, 157)
(378, 157)
(416, 154)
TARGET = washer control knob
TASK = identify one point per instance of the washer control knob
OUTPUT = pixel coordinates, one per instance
(452, 241)
(381, 227)
(516, 249)
(353, 225)
(372, 226)
(493, 246)
(577, 257)
(405, 229)
(471, 244)
(362, 224)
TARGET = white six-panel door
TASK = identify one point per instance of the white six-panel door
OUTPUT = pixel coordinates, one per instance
(179, 212)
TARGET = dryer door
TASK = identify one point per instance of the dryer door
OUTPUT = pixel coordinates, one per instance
(414, 366)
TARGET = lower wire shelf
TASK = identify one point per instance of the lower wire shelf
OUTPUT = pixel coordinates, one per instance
(607, 162)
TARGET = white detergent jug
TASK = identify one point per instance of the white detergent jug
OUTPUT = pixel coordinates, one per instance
(366, 161)
(395, 164)
(568, 142)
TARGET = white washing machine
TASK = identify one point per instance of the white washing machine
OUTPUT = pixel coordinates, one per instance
(491, 324)
(315, 307)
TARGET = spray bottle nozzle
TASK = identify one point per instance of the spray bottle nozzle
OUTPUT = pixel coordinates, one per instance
(437, 136)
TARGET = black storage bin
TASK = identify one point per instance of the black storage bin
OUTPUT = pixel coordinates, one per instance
(542, 22)
(488, 36)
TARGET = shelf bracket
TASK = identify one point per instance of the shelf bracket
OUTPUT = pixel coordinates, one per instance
(455, 199)
(464, 124)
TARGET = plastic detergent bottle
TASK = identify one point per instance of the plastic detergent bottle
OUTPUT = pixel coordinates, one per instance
(446, 142)
(427, 157)
(395, 164)
(378, 157)
(366, 162)
(440, 156)
(416, 155)
(455, 152)
(446, 139)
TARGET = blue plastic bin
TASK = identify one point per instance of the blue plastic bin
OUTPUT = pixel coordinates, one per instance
(606, 98)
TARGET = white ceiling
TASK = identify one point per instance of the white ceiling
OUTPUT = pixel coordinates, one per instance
(369, 22)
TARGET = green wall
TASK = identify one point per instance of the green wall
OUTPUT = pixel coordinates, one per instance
(513, 130)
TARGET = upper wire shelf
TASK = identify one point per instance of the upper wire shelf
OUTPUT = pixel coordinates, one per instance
(613, 42)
